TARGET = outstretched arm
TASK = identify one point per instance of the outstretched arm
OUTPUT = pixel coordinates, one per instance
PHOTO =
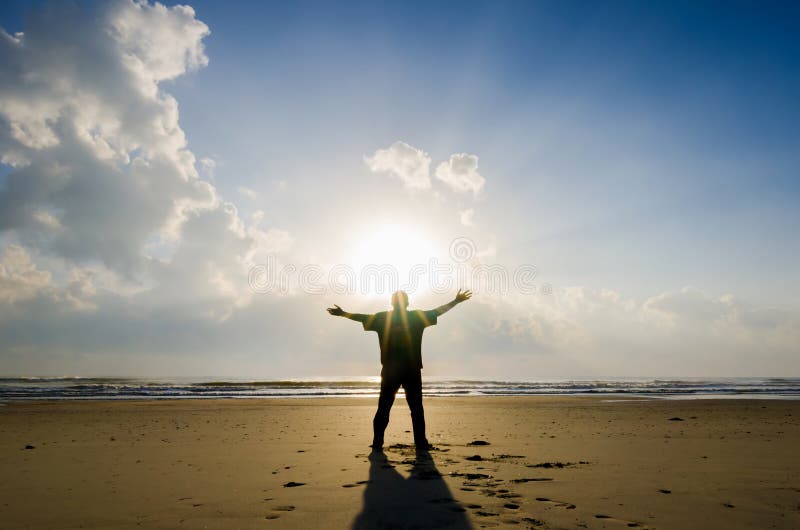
(339, 312)
(461, 296)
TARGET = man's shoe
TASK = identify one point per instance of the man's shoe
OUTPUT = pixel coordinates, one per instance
(424, 446)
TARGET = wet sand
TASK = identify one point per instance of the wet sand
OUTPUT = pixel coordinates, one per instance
(546, 462)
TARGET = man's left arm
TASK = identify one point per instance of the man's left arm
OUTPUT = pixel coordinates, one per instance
(461, 296)
(339, 312)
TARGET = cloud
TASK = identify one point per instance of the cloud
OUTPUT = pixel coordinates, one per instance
(693, 306)
(157, 42)
(412, 167)
(467, 217)
(101, 170)
(26, 288)
(121, 248)
(94, 142)
(680, 332)
(244, 191)
(208, 166)
(402, 161)
(460, 173)
(19, 277)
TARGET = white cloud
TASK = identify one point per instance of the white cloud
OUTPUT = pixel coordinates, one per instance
(402, 161)
(208, 166)
(467, 217)
(250, 193)
(79, 98)
(19, 277)
(157, 42)
(24, 287)
(102, 169)
(46, 219)
(685, 332)
(693, 306)
(460, 173)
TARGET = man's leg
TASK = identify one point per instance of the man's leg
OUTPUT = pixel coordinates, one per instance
(389, 387)
(412, 384)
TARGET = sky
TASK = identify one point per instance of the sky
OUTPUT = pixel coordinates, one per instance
(184, 189)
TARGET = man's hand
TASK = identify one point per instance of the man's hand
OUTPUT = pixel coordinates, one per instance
(336, 311)
(339, 312)
(462, 296)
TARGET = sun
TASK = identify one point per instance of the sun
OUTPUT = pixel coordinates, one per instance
(402, 247)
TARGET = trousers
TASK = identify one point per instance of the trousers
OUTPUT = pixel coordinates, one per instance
(391, 381)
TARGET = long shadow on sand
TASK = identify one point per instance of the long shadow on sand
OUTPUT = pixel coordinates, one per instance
(423, 500)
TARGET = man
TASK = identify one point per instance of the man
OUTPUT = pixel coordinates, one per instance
(400, 336)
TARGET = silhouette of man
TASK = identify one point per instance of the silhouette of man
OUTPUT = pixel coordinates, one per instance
(400, 337)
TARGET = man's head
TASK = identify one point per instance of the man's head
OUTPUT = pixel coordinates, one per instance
(399, 300)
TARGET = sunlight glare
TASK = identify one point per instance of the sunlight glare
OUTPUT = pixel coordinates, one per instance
(396, 245)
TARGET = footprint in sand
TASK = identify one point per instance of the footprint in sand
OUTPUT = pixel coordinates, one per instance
(629, 524)
(535, 523)
(559, 504)
(359, 483)
(509, 496)
(274, 515)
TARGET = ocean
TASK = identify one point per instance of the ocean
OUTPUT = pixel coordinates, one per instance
(75, 388)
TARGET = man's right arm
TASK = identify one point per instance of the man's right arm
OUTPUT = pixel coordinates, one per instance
(461, 296)
(339, 312)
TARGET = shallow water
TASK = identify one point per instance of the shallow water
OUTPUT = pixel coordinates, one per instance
(27, 388)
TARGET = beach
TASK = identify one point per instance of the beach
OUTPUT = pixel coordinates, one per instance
(516, 462)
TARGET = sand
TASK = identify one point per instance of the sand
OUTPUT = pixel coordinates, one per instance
(550, 462)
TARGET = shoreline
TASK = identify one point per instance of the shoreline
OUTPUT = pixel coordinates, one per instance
(550, 462)
(608, 398)
(434, 386)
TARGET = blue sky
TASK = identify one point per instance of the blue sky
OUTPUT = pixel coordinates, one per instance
(669, 127)
(649, 150)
